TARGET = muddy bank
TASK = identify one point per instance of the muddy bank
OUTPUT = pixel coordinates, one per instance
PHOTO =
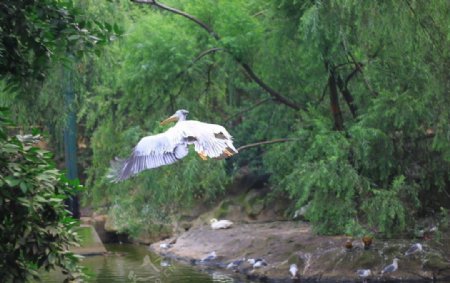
(319, 258)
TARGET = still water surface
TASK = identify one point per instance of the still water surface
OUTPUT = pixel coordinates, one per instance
(131, 263)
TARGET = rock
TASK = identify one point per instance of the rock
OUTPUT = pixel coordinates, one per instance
(110, 226)
(254, 204)
(436, 262)
(317, 257)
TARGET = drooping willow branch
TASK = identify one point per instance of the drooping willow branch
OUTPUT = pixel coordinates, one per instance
(248, 108)
(178, 12)
(200, 56)
(276, 95)
(266, 142)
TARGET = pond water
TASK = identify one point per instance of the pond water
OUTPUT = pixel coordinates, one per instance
(132, 263)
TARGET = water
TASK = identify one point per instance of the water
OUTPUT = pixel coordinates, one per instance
(131, 263)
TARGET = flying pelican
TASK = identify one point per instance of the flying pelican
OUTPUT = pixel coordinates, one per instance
(220, 224)
(209, 140)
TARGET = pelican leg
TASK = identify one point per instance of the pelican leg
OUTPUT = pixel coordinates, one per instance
(202, 156)
(227, 153)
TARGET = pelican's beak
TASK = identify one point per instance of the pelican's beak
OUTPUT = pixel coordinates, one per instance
(168, 120)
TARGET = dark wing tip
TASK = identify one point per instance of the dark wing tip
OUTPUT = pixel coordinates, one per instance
(115, 173)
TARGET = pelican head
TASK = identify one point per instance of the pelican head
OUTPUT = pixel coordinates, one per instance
(180, 115)
(214, 220)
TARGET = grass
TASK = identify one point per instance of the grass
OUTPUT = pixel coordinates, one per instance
(85, 234)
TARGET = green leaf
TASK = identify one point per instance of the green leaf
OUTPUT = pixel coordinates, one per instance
(23, 187)
(73, 37)
(11, 181)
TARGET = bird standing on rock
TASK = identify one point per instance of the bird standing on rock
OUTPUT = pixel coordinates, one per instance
(417, 247)
(211, 256)
(363, 274)
(235, 264)
(391, 267)
(367, 241)
(165, 245)
(293, 270)
(257, 263)
(348, 245)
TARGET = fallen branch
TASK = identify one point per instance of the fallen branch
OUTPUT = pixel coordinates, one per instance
(266, 142)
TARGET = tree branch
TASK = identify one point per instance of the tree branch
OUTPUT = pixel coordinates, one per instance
(334, 97)
(200, 56)
(267, 88)
(348, 97)
(278, 97)
(266, 142)
(358, 66)
(421, 24)
(181, 13)
(248, 108)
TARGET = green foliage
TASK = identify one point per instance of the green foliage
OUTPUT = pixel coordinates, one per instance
(388, 60)
(35, 228)
(383, 160)
(153, 196)
(33, 31)
(386, 210)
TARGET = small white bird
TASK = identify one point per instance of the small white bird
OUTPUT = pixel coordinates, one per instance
(391, 267)
(220, 224)
(257, 263)
(209, 257)
(417, 247)
(293, 270)
(165, 246)
(235, 264)
(165, 263)
(364, 273)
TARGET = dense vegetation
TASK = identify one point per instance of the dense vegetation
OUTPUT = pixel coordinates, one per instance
(35, 227)
(361, 89)
(36, 230)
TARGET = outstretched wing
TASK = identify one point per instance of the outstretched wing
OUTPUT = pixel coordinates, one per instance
(150, 152)
(210, 140)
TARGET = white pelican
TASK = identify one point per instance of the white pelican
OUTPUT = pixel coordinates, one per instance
(209, 140)
(391, 267)
(220, 224)
(417, 247)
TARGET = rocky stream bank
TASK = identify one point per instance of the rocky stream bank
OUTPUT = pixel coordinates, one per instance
(319, 258)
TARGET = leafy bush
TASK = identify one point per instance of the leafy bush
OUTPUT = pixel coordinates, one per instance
(35, 227)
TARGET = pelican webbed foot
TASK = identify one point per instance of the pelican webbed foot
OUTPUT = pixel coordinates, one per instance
(227, 153)
(202, 156)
